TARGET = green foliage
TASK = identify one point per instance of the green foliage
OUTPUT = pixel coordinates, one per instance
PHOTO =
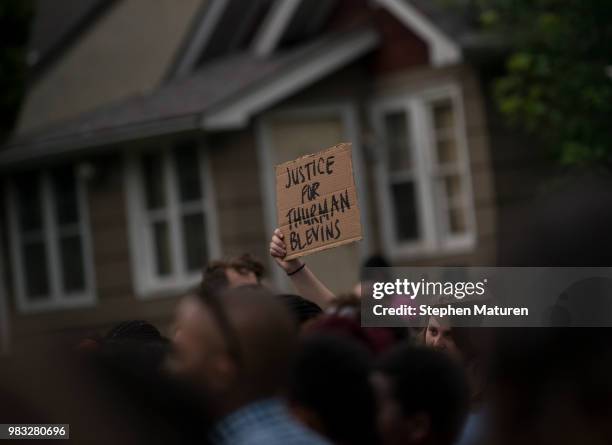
(15, 18)
(558, 79)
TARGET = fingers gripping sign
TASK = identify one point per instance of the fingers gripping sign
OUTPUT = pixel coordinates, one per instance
(278, 251)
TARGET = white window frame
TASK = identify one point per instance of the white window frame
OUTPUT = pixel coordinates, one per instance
(435, 240)
(146, 283)
(58, 299)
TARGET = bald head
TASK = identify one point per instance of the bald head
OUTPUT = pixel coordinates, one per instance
(238, 346)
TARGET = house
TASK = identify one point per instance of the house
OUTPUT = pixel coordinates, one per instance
(147, 142)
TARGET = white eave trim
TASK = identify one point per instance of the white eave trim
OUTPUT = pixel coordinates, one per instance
(274, 26)
(236, 114)
(442, 49)
(212, 15)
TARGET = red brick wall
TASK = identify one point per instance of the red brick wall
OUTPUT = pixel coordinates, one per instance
(400, 48)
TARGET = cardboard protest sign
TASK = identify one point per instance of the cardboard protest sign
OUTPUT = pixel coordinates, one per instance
(316, 205)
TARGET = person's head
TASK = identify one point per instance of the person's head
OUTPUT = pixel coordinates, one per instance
(114, 394)
(330, 391)
(138, 330)
(552, 386)
(130, 341)
(439, 335)
(372, 270)
(239, 271)
(197, 341)
(238, 345)
(423, 397)
(129, 331)
(468, 346)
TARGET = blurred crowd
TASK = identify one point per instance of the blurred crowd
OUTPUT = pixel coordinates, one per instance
(246, 365)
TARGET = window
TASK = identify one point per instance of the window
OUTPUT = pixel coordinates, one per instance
(170, 218)
(423, 177)
(50, 240)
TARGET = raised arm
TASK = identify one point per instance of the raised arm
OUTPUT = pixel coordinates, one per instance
(305, 282)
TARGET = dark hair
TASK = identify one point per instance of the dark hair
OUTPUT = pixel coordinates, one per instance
(261, 336)
(331, 378)
(106, 396)
(302, 309)
(425, 380)
(134, 330)
(214, 279)
(173, 410)
(574, 364)
(372, 269)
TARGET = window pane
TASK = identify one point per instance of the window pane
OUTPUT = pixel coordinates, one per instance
(73, 272)
(404, 201)
(457, 220)
(35, 271)
(452, 188)
(194, 237)
(447, 151)
(188, 174)
(161, 244)
(443, 114)
(29, 202)
(154, 181)
(398, 140)
(65, 194)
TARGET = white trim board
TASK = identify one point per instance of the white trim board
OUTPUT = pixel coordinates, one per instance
(442, 49)
(275, 24)
(211, 16)
(237, 113)
(348, 115)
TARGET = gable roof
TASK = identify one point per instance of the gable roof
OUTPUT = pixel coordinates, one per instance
(422, 17)
(223, 94)
(222, 27)
(58, 24)
(441, 26)
(228, 91)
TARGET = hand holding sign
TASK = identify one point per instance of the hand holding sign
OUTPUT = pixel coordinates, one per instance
(317, 205)
(278, 251)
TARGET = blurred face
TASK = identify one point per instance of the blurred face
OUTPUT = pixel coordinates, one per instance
(389, 412)
(240, 277)
(393, 425)
(200, 353)
(439, 335)
(559, 420)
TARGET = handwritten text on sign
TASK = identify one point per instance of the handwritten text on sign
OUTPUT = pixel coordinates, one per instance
(317, 205)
